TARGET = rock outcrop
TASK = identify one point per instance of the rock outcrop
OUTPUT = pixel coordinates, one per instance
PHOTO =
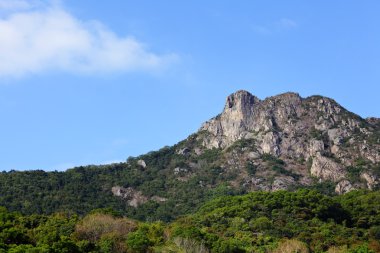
(282, 183)
(141, 163)
(234, 123)
(326, 169)
(279, 143)
(370, 179)
(133, 197)
(293, 128)
(344, 186)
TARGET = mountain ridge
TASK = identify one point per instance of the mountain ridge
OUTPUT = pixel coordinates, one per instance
(288, 125)
(283, 142)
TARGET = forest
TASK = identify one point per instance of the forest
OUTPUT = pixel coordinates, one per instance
(282, 221)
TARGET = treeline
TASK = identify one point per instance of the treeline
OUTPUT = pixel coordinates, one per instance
(82, 189)
(301, 221)
(85, 188)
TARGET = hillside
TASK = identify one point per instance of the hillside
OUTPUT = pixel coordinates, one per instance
(283, 142)
(269, 222)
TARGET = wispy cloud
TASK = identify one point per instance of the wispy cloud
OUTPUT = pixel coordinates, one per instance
(14, 5)
(260, 29)
(274, 27)
(286, 23)
(36, 36)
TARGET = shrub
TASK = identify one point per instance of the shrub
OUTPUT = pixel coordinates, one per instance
(138, 241)
(190, 246)
(251, 168)
(94, 226)
(291, 246)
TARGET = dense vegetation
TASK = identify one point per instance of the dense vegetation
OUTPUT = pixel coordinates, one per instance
(83, 189)
(301, 221)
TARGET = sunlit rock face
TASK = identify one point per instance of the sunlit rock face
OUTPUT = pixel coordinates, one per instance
(287, 126)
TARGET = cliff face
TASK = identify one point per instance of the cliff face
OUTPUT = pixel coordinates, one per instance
(292, 128)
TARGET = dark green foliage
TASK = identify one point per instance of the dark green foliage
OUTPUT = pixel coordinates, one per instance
(210, 155)
(138, 241)
(37, 233)
(309, 163)
(47, 192)
(362, 249)
(361, 162)
(281, 170)
(316, 134)
(255, 222)
(374, 138)
(363, 207)
(326, 187)
(251, 168)
(353, 173)
(260, 219)
(278, 166)
(272, 159)
(82, 189)
(243, 144)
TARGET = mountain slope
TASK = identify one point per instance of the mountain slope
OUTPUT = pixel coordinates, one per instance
(315, 129)
(282, 142)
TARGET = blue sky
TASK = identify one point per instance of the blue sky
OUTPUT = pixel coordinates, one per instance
(92, 82)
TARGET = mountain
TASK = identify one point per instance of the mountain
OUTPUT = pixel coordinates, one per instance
(283, 142)
(314, 137)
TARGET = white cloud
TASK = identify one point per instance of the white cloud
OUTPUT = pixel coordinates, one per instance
(40, 37)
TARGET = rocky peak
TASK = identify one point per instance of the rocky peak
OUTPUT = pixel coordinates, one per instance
(290, 98)
(234, 121)
(315, 129)
(244, 115)
(241, 101)
(373, 121)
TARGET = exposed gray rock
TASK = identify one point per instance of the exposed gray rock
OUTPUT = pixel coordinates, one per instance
(158, 199)
(371, 180)
(373, 121)
(269, 144)
(253, 155)
(233, 123)
(178, 170)
(316, 146)
(184, 151)
(344, 186)
(197, 151)
(258, 184)
(282, 183)
(295, 130)
(327, 169)
(336, 135)
(141, 163)
(335, 150)
(134, 198)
